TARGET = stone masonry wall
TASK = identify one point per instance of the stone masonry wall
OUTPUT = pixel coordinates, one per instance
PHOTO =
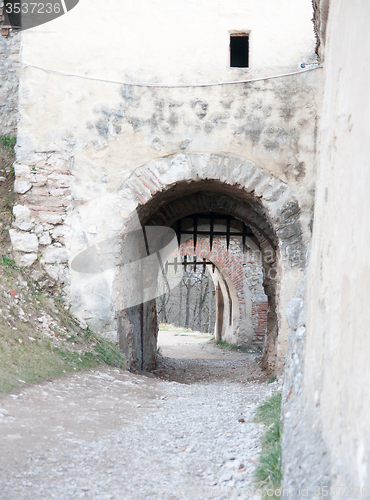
(9, 80)
(38, 233)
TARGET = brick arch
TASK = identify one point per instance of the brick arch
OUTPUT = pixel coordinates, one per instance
(168, 188)
(248, 331)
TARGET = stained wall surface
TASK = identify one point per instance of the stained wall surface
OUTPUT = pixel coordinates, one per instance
(9, 81)
(327, 413)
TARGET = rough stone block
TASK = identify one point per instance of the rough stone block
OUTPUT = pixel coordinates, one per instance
(24, 242)
(45, 239)
(23, 218)
(25, 260)
(52, 255)
(22, 187)
(21, 170)
(300, 333)
(50, 217)
(58, 232)
(293, 311)
(57, 161)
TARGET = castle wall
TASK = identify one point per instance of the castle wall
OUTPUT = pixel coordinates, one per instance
(326, 397)
(86, 125)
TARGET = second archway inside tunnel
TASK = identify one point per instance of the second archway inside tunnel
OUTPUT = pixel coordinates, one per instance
(221, 290)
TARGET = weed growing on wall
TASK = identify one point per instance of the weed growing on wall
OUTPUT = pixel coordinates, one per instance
(268, 475)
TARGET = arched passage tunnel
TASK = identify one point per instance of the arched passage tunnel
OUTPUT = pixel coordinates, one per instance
(156, 196)
(228, 249)
(138, 325)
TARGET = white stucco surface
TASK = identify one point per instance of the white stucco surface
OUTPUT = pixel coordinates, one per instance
(171, 40)
(337, 370)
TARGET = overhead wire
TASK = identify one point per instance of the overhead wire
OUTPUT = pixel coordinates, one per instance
(175, 85)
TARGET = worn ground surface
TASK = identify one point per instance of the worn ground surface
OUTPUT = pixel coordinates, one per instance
(183, 433)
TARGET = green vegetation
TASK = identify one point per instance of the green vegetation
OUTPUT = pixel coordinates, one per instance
(28, 351)
(29, 359)
(268, 475)
(7, 156)
(109, 354)
(8, 142)
(272, 379)
(166, 327)
(5, 261)
(234, 347)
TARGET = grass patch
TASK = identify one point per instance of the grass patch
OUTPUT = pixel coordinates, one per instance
(268, 475)
(7, 155)
(24, 360)
(33, 361)
(166, 327)
(234, 347)
(110, 354)
(26, 354)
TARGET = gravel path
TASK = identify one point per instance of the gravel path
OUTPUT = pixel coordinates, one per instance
(114, 435)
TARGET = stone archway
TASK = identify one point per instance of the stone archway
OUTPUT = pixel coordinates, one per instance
(171, 187)
(226, 301)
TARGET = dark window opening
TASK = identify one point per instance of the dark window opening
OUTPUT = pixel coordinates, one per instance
(12, 13)
(239, 50)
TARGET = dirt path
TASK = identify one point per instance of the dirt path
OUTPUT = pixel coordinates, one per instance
(107, 434)
(190, 357)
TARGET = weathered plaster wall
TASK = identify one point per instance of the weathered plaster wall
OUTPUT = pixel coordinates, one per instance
(90, 137)
(326, 417)
(9, 81)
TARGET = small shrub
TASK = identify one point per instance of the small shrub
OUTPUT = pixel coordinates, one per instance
(272, 379)
(88, 334)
